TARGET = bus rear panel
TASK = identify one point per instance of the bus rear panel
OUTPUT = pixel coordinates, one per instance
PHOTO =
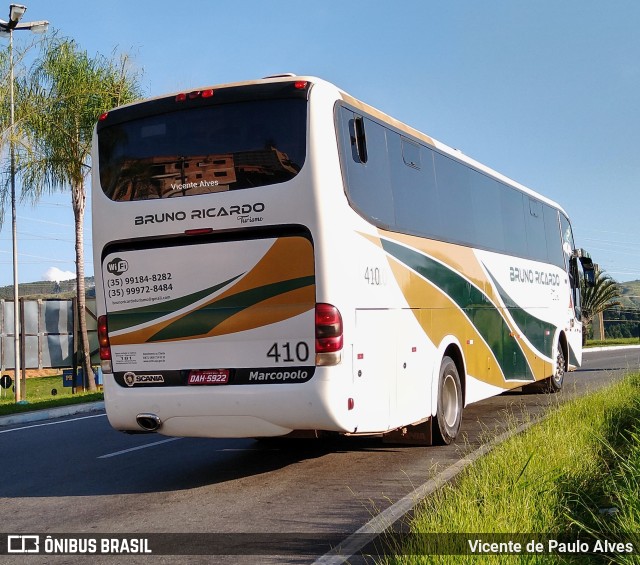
(210, 323)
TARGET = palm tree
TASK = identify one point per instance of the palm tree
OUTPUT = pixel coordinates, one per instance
(599, 297)
(60, 100)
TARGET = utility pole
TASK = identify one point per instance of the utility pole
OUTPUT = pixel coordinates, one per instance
(598, 327)
(16, 11)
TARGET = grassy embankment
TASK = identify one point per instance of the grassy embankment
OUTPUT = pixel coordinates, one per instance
(39, 396)
(573, 476)
(612, 342)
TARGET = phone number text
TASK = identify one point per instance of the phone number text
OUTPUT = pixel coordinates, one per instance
(138, 280)
(141, 289)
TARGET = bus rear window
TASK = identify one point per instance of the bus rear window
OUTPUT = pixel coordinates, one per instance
(203, 150)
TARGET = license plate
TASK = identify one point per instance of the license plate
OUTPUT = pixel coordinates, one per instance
(208, 377)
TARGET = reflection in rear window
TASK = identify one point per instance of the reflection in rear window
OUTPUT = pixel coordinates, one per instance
(203, 150)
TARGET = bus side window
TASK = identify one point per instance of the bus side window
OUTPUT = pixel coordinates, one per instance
(368, 183)
(358, 140)
(575, 275)
(536, 235)
(552, 228)
(410, 153)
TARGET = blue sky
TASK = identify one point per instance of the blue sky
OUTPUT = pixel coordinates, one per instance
(545, 92)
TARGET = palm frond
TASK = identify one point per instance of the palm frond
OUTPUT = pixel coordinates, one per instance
(599, 297)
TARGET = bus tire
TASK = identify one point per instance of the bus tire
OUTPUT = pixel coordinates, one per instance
(553, 383)
(449, 410)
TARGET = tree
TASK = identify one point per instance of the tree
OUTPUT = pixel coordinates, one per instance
(58, 103)
(20, 53)
(599, 297)
(622, 321)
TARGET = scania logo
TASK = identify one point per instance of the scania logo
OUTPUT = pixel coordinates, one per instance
(117, 266)
(131, 379)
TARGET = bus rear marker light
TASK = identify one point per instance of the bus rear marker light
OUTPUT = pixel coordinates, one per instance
(198, 231)
(329, 338)
(104, 344)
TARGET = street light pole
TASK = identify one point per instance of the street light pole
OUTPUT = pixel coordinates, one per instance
(14, 237)
(16, 11)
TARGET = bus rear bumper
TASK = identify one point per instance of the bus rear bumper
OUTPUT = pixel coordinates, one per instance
(263, 410)
(221, 426)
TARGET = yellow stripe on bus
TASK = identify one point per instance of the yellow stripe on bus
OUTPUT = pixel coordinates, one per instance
(288, 258)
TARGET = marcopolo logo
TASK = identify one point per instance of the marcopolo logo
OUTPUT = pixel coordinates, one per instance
(117, 266)
(271, 376)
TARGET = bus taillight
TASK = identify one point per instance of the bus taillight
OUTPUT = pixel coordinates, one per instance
(183, 96)
(329, 338)
(105, 346)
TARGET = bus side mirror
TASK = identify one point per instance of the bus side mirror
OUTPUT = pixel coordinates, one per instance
(589, 274)
(588, 268)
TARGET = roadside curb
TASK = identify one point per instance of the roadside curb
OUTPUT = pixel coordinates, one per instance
(38, 415)
(611, 348)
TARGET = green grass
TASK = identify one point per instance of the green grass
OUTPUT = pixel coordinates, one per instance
(575, 475)
(616, 341)
(39, 396)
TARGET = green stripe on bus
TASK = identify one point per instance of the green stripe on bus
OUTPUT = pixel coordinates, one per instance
(136, 316)
(478, 308)
(202, 321)
(539, 333)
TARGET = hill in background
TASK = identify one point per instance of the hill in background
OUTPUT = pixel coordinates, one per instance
(48, 289)
(624, 320)
(630, 294)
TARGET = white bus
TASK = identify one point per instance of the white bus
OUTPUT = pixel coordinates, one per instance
(275, 257)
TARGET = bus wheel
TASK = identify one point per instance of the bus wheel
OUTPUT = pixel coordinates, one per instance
(554, 384)
(449, 411)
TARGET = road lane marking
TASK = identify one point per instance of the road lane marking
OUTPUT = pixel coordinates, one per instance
(116, 453)
(51, 423)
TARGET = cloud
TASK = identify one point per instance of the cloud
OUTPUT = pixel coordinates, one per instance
(55, 274)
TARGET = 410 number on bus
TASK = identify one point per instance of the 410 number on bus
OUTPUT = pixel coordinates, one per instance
(287, 352)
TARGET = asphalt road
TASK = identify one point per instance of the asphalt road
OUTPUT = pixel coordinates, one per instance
(76, 475)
